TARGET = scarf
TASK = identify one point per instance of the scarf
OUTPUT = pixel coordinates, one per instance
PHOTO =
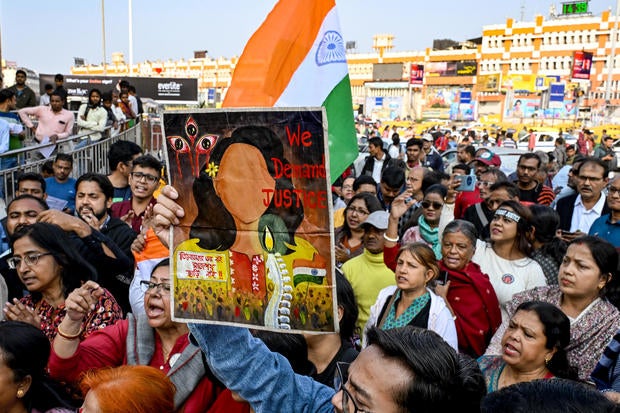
(410, 313)
(430, 235)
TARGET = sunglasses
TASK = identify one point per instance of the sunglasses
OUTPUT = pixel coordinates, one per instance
(428, 204)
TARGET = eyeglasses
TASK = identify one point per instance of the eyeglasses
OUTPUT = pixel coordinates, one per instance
(592, 179)
(484, 183)
(340, 379)
(30, 260)
(428, 204)
(358, 211)
(611, 190)
(151, 179)
(148, 285)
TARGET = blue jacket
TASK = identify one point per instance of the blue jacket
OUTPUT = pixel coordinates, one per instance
(264, 379)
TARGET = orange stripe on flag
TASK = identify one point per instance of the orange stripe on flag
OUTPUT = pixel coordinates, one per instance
(275, 51)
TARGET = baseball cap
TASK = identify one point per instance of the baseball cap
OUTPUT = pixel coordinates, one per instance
(427, 137)
(378, 219)
(489, 159)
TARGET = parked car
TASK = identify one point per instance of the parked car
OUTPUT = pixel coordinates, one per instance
(545, 141)
(509, 157)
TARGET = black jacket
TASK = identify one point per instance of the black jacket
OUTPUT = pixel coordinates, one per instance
(118, 280)
(565, 207)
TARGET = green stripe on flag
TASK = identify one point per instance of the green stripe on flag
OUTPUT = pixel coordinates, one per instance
(341, 128)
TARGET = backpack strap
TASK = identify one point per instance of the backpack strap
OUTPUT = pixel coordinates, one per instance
(385, 311)
(481, 216)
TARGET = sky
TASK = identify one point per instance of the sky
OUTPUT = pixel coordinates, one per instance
(45, 35)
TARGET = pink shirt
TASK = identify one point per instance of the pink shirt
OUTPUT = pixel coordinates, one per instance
(50, 122)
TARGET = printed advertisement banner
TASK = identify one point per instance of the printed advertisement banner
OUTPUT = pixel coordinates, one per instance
(456, 68)
(520, 83)
(530, 108)
(416, 76)
(258, 237)
(582, 63)
(160, 89)
(488, 83)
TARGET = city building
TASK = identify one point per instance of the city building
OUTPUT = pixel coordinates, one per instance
(555, 68)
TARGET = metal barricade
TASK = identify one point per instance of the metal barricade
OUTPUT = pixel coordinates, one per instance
(89, 158)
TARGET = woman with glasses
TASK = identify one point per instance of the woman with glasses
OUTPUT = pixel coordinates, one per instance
(427, 230)
(506, 256)
(153, 339)
(587, 293)
(533, 347)
(410, 301)
(50, 269)
(349, 237)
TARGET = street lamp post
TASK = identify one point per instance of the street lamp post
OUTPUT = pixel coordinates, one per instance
(611, 64)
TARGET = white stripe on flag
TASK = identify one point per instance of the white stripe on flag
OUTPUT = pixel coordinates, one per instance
(311, 84)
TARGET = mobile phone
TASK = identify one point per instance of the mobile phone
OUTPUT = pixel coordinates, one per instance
(442, 279)
(468, 182)
(567, 233)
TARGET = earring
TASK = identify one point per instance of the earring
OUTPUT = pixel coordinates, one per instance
(547, 360)
(20, 393)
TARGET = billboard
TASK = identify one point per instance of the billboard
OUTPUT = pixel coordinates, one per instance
(456, 68)
(387, 71)
(582, 63)
(520, 83)
(556, 95)
(160, 89)
(416, 75)
(488, 83)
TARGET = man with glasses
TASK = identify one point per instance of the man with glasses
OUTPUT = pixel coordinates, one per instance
(608, 225)
(579, 211)
(530, 190)
(143, 180)
(404, 369)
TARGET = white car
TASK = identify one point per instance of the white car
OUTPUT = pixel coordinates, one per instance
(509, 157)
(545, 141)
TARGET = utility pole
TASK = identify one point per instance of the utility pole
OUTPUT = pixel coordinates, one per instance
(611, 64)
(130, 38)
(103, 35)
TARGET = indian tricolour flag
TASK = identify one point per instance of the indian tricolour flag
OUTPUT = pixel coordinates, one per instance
(297, 58)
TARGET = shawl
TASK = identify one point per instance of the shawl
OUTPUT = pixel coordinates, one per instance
(588, 336)
(475, 305)
(185, 373)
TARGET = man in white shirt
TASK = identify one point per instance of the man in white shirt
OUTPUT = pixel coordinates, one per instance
(578, 212)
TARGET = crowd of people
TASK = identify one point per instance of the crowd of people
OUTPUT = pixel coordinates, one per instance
(450, 296)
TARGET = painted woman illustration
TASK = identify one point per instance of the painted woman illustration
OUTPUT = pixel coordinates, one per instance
(244, 238)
